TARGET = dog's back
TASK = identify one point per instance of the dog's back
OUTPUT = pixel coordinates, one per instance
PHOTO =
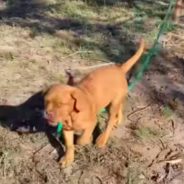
(106, 82)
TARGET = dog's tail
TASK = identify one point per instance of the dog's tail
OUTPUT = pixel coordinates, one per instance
(129, 64)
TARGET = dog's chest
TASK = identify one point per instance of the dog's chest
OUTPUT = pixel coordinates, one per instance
(80, 121)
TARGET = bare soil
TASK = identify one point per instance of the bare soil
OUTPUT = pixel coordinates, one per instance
(148, 148)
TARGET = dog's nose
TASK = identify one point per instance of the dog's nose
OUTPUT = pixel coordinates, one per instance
(48, 115)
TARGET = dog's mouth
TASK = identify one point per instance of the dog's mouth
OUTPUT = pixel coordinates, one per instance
(50, 119)
(52, 122)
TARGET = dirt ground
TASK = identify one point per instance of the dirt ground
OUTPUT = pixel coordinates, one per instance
(148, 148)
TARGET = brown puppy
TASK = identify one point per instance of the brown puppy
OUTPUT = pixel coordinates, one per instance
(77, 106)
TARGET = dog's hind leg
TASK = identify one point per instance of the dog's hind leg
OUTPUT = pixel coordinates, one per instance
(121, 112)
(120, 116)
(113, 118)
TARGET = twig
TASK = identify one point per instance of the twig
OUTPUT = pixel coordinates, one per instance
(137, 110)
(176, 161)
(173, 126)
(163, 146)
(37, 151)
(172, 162)
(99, 179)
(93, 67)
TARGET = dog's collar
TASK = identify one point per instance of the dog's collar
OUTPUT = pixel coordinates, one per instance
(59, 128)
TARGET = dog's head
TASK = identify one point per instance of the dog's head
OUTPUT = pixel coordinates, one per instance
(60, 101)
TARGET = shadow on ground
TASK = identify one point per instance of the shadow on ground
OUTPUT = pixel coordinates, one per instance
(166, 83)
(118, 44)
(28, 118)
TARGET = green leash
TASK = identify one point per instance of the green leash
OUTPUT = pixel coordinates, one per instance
(59, 128)
(145, 61)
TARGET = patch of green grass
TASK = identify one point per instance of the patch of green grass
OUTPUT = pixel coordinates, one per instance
(9, 56)
(62, 47)
(93, 41)
(154, 9)
(146, 133)
(134, 175)
(167, 112)
(77, 10)
(131, 22)
(170, 27)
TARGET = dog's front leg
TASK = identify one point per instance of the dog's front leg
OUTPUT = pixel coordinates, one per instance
(69, 143)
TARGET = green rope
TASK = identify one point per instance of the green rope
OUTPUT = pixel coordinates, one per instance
(59, 127)
(146, 59)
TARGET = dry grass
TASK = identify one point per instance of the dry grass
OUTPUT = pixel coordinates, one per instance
(175, 40)
(37, 45)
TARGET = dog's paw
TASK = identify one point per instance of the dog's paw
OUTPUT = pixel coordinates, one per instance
(84, 141)
(101, 140)
(66, 161)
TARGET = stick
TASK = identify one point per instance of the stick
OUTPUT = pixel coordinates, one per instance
(137, 110)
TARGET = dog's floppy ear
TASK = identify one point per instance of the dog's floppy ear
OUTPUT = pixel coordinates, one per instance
(80, 100)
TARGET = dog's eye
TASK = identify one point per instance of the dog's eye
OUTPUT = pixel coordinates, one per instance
(59, 104)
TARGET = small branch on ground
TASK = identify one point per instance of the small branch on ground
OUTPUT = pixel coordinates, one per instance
(137, 110)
